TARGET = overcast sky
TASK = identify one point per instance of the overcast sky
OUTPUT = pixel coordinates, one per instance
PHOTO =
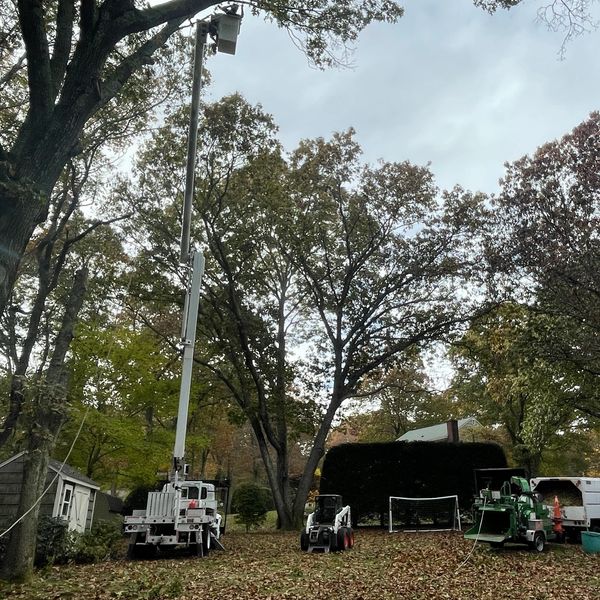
(448, 84)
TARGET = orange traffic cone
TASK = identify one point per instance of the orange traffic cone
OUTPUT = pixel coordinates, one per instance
(557, 519)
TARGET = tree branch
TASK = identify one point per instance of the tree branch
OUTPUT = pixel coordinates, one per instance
(62, 45)
(31, 19)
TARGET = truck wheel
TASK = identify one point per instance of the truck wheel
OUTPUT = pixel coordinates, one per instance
(539, 542)
(205, 540)
(131, 547)
(304, 541)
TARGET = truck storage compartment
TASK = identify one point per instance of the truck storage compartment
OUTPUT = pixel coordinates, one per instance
(567, 492)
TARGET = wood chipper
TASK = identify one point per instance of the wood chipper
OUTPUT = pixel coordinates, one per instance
(512, 514)
(328, 528)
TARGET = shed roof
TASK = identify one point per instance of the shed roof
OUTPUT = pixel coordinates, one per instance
(435, 433)
(72, 473)
(67, 471)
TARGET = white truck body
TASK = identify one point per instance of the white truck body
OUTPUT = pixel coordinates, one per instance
(579, 499)
(183, 514)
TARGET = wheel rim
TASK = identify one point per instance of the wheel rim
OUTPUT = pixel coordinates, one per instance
(539, 543)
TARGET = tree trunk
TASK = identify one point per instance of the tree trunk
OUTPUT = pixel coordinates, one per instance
(48, 416)
(47, 420)
(21, 209)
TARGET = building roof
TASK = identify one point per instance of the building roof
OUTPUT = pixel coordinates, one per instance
(71, 473)
(435, 433)
(67, 471)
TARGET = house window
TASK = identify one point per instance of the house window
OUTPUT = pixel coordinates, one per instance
(65, 506)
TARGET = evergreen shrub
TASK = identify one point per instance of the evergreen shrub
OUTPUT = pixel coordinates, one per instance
(251, 505)
(54, 541)
(366, 475)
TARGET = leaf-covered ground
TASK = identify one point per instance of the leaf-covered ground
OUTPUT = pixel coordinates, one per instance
(381, 565)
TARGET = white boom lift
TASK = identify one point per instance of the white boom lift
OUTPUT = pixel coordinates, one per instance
(185, 513)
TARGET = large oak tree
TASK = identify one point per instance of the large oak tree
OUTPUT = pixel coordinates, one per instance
(79, 56)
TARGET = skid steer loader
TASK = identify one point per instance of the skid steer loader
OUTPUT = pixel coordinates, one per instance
(328, 529)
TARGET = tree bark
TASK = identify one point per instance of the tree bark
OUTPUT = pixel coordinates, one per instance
(48, 415)
(50, 134)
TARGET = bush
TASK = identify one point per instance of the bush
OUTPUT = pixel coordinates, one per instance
(251, 505)
(102, 542)
(366, 475)
(54, 541)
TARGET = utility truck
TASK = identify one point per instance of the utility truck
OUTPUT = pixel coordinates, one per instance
(184, 513)
(513, 514)
(579, 500)
(328, 528)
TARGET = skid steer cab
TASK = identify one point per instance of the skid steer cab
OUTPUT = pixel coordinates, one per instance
(328, 528)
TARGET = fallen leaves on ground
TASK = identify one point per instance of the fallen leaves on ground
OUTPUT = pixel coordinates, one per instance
(381, 566)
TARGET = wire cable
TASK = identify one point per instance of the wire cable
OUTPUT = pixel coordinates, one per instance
(53, 480)
(464, 562)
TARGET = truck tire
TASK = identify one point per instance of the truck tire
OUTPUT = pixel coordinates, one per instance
(539, 542)
(132, 552)
(304, 541)
(205, 540)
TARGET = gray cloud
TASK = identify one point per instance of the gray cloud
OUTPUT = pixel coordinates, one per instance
(448, 84)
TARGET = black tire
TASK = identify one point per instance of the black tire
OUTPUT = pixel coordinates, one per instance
(342, 539)
(132, 550)
(205, 540)
(304, 541)
(539, 542)
(350, 533)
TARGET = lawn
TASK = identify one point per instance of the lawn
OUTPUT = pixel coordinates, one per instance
(381, 565)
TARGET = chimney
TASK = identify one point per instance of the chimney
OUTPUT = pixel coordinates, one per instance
(452, 426)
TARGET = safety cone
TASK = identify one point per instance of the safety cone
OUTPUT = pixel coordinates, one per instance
(557, 519)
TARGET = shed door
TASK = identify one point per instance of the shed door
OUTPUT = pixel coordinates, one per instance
(79, 509)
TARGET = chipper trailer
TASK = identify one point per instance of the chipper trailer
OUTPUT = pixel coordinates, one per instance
(328, 528)
(184, 513)
(513, 514)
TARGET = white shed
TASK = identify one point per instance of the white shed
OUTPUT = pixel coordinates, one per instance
(71, 497)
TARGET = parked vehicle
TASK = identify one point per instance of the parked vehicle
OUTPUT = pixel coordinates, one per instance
(579, 499)
(328, 527)
(512, 514)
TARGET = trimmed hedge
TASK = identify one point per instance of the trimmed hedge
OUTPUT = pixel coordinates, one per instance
(366, 475)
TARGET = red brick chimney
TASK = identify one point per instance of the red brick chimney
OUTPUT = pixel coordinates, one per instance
(452, 426)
